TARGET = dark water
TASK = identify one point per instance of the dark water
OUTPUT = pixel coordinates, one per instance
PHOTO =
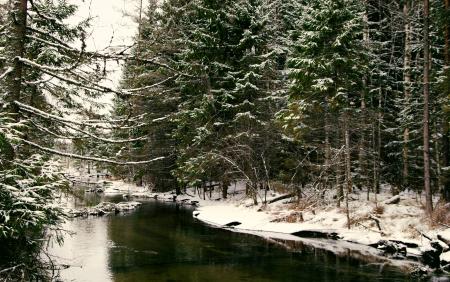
(162, 242)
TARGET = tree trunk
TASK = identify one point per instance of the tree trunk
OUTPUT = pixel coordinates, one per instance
(255, 193)
(364, 92)
(446, 128)
(447, 35)
(327, 145)
(446, 160)
(17, 45)
(407, 88)
(339, 185)
(348, 172)
(426, 113)
(177, 187)
(225, 185)
(204, 190)
(376, 133)
(437, 153)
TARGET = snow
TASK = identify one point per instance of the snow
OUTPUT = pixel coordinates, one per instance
(122, 187)
(445, 234)
(445, 257)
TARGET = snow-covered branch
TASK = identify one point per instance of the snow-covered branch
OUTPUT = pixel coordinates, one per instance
(96, 87)
(150, 86)
(42, 67)
(55, 134)
(88, 134)
(52, 44)
(8, 70)
(88, 158)
(46, 34)
(46, 115)
(41, 14)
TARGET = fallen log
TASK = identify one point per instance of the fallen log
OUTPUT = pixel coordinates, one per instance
(283, 197)
(393, 200)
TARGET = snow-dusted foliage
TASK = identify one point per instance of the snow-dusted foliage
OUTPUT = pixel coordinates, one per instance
(29, 182)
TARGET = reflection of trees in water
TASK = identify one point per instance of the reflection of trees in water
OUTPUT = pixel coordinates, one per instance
(340, 258)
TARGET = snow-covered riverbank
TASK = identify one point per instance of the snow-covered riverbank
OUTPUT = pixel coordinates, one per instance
(386, 229)
(391, 229)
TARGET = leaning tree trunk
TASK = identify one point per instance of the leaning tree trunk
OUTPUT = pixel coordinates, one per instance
(426, 113)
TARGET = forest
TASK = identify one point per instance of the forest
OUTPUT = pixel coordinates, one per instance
(323, 97)
(336, 95)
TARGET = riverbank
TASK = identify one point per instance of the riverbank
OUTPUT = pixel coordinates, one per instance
(161, 241)
(389, 229)
(385, 229)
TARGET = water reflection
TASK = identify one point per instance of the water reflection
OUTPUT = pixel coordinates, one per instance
(162, 242)
(86, 252)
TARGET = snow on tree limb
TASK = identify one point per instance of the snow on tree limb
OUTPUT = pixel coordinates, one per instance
(150, 86)
(52, 71)
(9, 70)
(55, 134)
(46, 115)
(87, 158)
(39, 66)
(88, 134)
(46, 34)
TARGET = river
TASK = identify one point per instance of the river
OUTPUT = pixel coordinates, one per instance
(163, 242)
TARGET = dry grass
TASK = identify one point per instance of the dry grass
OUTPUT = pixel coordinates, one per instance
(300, 205)
(293, 217)
(355, 219)
(279, 187)
(378, 210)
(441, 214)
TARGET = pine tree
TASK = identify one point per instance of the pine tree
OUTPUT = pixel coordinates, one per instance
(326, 67)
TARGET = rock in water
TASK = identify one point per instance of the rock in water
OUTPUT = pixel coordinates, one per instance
(232, 224)
(317, 234)
(397, 249)
(432, 257)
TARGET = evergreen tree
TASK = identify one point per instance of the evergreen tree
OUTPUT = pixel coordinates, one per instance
(326, 69)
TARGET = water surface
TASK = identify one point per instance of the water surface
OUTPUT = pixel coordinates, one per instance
(163, 242)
